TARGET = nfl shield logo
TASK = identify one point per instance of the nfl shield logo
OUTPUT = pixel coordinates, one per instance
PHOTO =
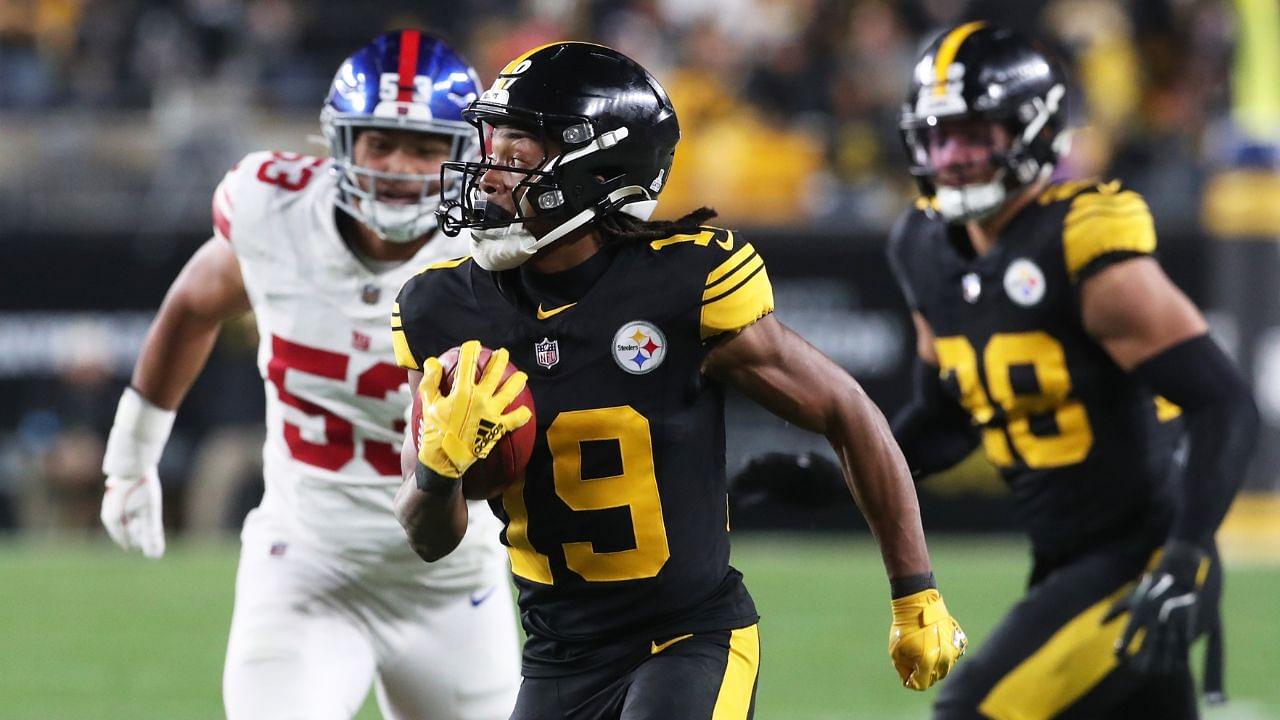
(547, 352)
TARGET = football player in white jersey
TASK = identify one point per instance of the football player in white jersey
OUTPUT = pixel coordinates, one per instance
(329, 596)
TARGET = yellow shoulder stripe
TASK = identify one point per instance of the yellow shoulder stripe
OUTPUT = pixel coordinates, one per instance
(736, 261)
(737, 293)
(445, 264)
(1104, 222)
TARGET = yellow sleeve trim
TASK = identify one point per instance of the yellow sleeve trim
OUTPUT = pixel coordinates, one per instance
(1107, 221)
(404, 356)
(445, 264)
(738, 293)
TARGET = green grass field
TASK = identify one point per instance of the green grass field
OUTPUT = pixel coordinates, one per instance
(89, 632)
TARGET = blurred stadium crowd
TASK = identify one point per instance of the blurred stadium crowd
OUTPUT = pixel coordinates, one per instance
(120, 116)
(789, 107)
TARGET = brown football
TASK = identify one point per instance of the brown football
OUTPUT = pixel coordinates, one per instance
(507, 461)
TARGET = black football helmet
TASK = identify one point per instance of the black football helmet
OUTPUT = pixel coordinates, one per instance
(612, 123)
(981, 71)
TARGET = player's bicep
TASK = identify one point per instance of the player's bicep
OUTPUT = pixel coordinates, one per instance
(210, 286)
(1135, 311)
(771, 364)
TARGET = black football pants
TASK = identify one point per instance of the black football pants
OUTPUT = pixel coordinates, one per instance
(693, 677)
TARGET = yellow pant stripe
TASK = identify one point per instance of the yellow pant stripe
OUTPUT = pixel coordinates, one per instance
(734, 700)
(1066, 667)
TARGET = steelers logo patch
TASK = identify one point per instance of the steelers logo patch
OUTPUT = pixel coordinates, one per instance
(639, 347)
(1024, 282)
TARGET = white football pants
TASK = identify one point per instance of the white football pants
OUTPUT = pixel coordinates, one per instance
(313, 630)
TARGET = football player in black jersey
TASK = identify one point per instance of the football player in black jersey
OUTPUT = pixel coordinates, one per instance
(629, 331)
(1048, 333)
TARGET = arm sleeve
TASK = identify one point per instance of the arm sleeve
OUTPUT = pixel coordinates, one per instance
(933, 430)
(1105, 226)
(736, 292)
(1221, 421)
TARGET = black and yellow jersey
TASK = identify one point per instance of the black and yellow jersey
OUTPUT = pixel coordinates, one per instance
(620, 528)
(1076, 437)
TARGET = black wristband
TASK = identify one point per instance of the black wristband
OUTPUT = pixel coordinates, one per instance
(433, 483)
(911, 584)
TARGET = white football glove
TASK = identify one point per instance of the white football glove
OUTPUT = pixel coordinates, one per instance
(131, 507)
(132, 513)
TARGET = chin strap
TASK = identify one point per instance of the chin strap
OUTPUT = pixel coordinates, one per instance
(614, 200)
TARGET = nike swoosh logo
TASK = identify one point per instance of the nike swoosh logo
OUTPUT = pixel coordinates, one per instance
(659, 647)
(477, 599)
(544, 314)
(725, 244)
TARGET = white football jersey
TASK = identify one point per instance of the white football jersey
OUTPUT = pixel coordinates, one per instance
(335, 398)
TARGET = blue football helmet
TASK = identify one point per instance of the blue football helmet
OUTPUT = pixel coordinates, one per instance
(402, 80)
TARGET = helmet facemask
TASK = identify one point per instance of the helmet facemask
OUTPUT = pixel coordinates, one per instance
(358, 187)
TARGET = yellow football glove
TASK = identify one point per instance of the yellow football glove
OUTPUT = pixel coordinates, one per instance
(925, 641)
(462, 427)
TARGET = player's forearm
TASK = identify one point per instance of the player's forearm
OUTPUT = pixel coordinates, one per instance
(1221, 421)
(878, 478)
(433, 513)
(173, 354)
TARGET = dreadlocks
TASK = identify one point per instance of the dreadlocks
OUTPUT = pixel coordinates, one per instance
(619, 227)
